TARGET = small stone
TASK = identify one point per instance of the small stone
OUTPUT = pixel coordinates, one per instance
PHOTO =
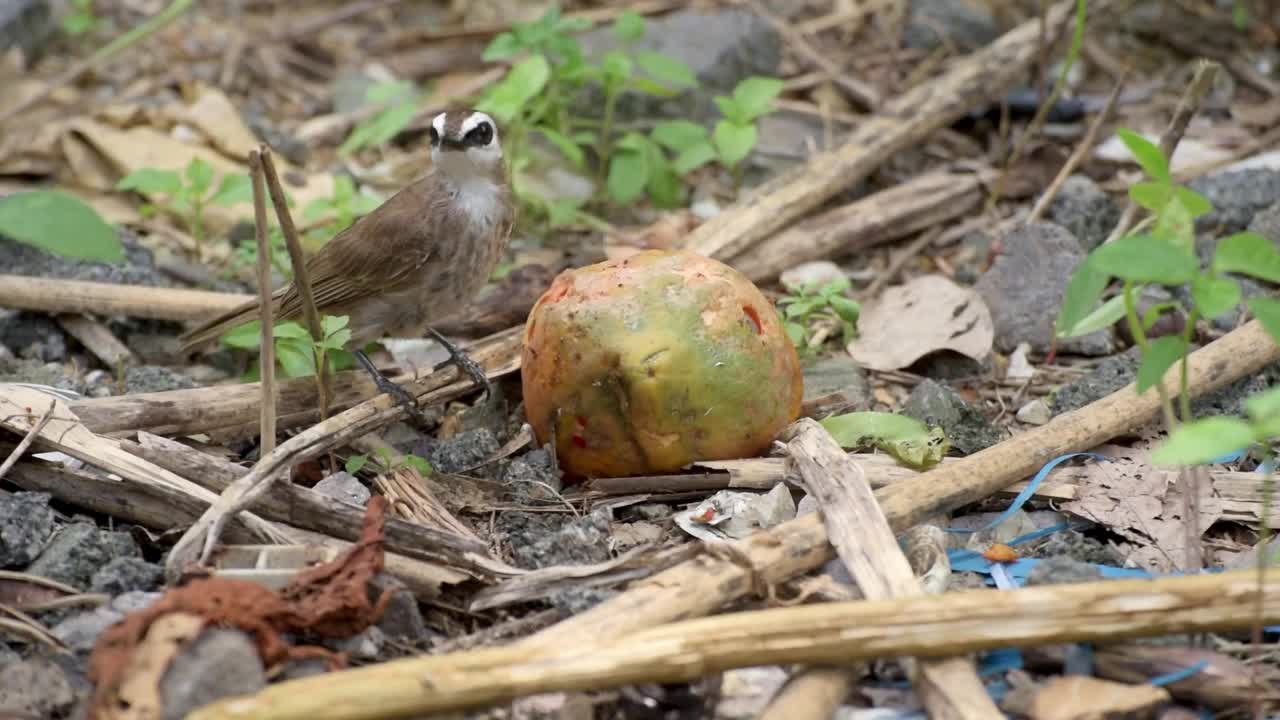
(462, 451)
(124, 574)
(80, 632)
(153, 378)
(835, 385)
(937, 405)
(532, 476)
(36, 372)
(814, 274)
(33, 336)
(1025, 286)
(80, 550)
(1085, 211)
(25, 24)
(34, 688)
(1237, 196)
(26, 524)
(402, 618)
(1267, 224)
(1035, 412)
(652, 511)
(1062, 570)
(934, 23)
(364, 645)
(345, 487)
(220, 663)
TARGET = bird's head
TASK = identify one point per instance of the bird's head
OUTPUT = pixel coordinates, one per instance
(464, 144)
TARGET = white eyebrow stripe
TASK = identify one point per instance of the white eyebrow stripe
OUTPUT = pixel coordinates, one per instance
(438, 124)
(472, 121)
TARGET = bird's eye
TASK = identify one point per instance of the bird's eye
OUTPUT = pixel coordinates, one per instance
(480, 135)
(435, 136)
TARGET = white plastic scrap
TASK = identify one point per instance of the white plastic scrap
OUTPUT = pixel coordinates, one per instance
(731, 514)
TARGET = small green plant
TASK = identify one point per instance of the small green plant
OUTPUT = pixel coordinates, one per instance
(246, 254)
(343, 207)
(59, 223)
(1161, 251)
(80, 18)
(385, 463)
(804, 310)
(297, 354)
(186, 195)
(401, 99)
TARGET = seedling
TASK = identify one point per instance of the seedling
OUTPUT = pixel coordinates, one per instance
(401, 99)
(185, 196)
(80, 18)
(297, 354)
(385, 463)
(805, 311)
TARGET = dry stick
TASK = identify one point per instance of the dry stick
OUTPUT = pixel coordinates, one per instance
(27, 440)
(797, 546)
(301, 280)
(903, 121)
(857, 91)
(821, 633)
(267, 357)
(124, 42)
(1187, 107)
(1077, 155)
(949, 688)
(56, 296)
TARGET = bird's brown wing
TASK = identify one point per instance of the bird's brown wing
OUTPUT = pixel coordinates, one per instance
(381, 252)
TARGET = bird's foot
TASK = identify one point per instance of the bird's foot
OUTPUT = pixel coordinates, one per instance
(386, 385)
(467, 365)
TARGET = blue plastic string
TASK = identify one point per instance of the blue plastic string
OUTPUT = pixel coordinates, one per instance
(1027, 492)
(1177, 675)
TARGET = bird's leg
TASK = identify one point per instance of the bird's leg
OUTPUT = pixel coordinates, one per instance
(387, 386)
(465, 364)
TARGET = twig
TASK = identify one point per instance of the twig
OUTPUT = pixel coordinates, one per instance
(301, 279)
(900, 261)
(1078, 155)
(859, 92)
(267, 352)
(125, 41)
(57, 296)
(1187, 107)
(821, 633)
(27, 440)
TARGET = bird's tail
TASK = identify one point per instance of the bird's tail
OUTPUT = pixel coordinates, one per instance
(200, 337)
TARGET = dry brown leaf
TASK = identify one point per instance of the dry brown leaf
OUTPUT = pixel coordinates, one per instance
(928, 314)
(1079, 697)
(138, 697)
(214, 116)
(1134, 499)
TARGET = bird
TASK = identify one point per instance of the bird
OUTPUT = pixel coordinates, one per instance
(419, 257)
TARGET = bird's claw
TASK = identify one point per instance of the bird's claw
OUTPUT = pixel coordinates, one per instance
(388, 386)
(466, 364)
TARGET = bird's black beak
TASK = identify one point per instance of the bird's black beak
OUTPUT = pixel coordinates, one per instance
(451, 144)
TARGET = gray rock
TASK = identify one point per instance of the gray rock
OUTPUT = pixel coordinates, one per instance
(365, 645)
(125, 574)
(153, 378)
(1034, 412)
(26, 24)
(402, 618)
(79, 632)
(541, 539)
(1267, 223)
(220, 663)
(1237, 196)
(41, 373)
(137, 268)
(1025, 286)
(835, 385)
(80, 550)
(32, 335)
(34, 688)
(933, 23)
(721, 47)
(26, 524)
(1062, 570)
(937, 405)
(345, 487)
(462, 450)
(1085, 211)
(531, 477)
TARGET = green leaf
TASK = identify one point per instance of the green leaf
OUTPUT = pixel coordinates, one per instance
(632, 141)
(1264, 405)
(418, 463)
(650, 87)
(1147, 154)
(1204, 440)
(754, 95)
(562, 212)
(1153, 313)
(567, 147)
(1195, 203)
(1150, 195)
(664, 185)
(628, 175)
(1143, 258)
(149, 181)
(1159, 356)
(501, 47)
(522, 83)
(380, 128)
(233, 190)
(296, 358)
(692, 158)
(617, 68)
(1104, 316)
(629, 26)
(733, 142)
(330, 324)
(78, 23)
(1248, 253)
(389, 91)
(834, 287)
(247, 336)
(1083, 290)
(730, 110)
(846, 309)
(59, 223)
(1175, 226)
(679, 134)
(666, 70)
(903, 437)
(290, 329)
(199, 174)
(1214, 295)
(795, 332)
(355, 463)
(1267, 311)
